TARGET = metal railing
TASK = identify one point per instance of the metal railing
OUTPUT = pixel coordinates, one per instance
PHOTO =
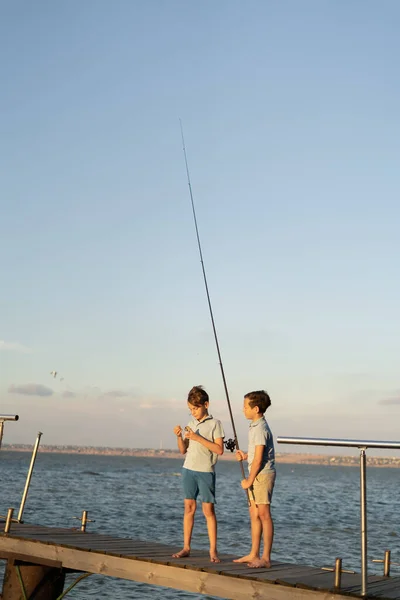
(362, 445)
(6, 418)
(27, 484)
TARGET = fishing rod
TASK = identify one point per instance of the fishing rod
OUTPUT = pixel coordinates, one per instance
(230, 444)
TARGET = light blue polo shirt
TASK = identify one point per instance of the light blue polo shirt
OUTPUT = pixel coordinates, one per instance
(261, 435)
(198, 457)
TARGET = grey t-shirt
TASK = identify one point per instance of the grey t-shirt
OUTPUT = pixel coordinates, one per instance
(261, 435)
(198, 457)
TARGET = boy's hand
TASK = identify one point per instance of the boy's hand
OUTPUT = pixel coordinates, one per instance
(178, 430)
(190, 434)
(245, 484)
(240, 455)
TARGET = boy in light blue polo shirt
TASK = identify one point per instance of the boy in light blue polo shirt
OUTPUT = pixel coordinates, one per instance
(202, 443)
(261, 479)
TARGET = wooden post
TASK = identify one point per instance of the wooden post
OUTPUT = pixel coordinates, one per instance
(41, 582)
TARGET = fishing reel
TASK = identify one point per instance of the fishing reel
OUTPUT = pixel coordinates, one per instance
(230, 444)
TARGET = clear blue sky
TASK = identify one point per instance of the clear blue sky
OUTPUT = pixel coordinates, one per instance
(291, 116)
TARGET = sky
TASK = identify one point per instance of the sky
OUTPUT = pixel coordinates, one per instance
(290, 113)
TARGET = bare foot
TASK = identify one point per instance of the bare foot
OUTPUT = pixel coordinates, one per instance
(182, 553)
(246, 559)
(214, 558)
(259, 563)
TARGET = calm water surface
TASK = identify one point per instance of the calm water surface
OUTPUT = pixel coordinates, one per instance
(315, 509)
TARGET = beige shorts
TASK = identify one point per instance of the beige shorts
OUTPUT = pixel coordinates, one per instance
(263, 487)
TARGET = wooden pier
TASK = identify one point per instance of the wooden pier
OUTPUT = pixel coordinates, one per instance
(41, 556)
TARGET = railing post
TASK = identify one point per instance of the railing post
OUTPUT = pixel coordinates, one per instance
(386, 564)
(9, 517)
(363, 516)
(84, 520)
(29, 476)
(338, 573)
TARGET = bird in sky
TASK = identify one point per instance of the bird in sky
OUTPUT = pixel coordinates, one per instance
(54, 373)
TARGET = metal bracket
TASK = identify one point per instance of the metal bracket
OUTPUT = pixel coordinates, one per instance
(84, 520)
(337, 569)
(386, 563)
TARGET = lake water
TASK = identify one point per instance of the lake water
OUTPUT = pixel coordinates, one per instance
(315, 510)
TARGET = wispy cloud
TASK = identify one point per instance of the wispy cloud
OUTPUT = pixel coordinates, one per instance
(116, 394)
(13, 347)
(147, 403)
(30, 389)
(68, 394)
(390, 401)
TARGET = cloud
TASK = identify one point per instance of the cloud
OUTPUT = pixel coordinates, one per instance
(390, 401)
(68, 394)
(30, 389)
(147, 403)
(116, 394)
(13, 347)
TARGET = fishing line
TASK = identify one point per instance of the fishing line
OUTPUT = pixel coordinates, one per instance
(230, 444)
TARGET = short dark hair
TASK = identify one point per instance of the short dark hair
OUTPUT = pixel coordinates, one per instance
(260, 399)
(197, 396)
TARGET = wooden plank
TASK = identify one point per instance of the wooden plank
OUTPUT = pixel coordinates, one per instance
(157, 557)
(228, 566)
(166, 550)
(326, 581)
(62, 535)
(17, 528)
(49, 531)
(301, 574)
(356, 589)
(293, 576)
(170, 576)
(391, 595)
(271, 574)
(17, 531)
(132, 544)
(46, 538)
(27, 559)
(57, 535)
(386, 587)
(203, 561)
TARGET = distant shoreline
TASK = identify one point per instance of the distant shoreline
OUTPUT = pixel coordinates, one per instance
(281, 457)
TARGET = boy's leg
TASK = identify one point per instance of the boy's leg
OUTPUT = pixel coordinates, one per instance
(188, 522)
(206, 483)
(190, 490)
(256, 530)
(263, 488)
(264, 512)
(209, 513)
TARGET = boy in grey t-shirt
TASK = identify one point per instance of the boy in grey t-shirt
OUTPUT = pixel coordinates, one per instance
(261, 478)
(202, 443)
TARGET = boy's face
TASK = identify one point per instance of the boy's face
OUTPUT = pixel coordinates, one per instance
(198, 412)
(250, 413)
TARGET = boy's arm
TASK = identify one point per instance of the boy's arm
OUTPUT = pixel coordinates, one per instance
(256, 464)
(182, 443)
(240, 455)
(217, 446)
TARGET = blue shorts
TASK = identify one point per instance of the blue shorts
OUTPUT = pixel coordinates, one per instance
(197, 482)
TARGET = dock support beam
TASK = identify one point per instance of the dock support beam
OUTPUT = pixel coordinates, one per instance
(39, 582)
